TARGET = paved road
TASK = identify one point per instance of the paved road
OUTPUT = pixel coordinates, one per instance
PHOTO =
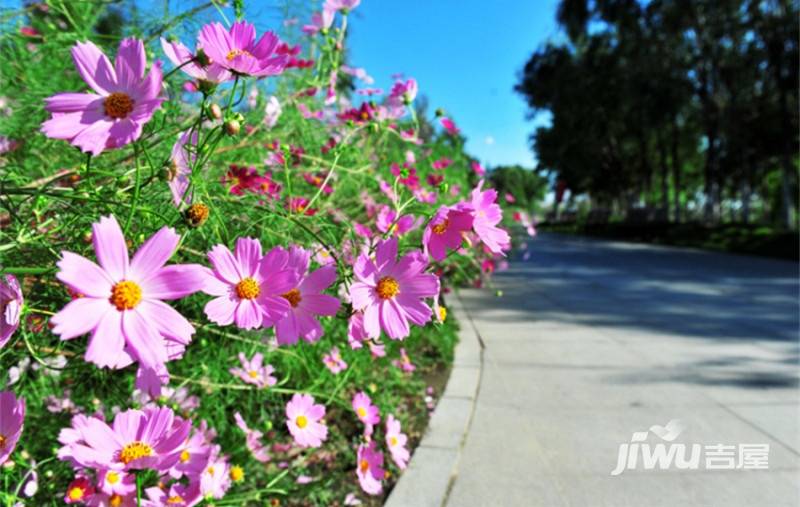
(593, 341)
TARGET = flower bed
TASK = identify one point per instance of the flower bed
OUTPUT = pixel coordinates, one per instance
(222, 275)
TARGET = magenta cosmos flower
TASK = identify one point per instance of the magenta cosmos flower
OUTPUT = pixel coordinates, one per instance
(236, 49)
(334, 362)
(303, 420)
(450, 126)
(12, 417)
(121, 301)
(396, 442)
(255, 371)
(10, 307)
(180, 168)
(388, 222)
(181, 56)
(367, 412)
(446, 231)
(247, 286)
(487, 215)
(370, 470)
(149, 439)
(391, 292)
(306, 300)
(124, 99)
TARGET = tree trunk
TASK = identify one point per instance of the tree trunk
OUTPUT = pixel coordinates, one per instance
(662, 150)
(676, 170)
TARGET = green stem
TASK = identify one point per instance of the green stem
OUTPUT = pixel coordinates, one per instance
(135, 188)
(138, 489)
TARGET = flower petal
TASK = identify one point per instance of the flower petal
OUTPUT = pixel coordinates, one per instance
(154, 253)
(393, 320)
(225, 264)
(110, 247)
(248, 255)
(248, 314)
(174, 282)
(94, 67)
(84, 276)
(221, 310)
(144, 340)
(167, 320)
(107, 343)
(130, 63)
(80, 316)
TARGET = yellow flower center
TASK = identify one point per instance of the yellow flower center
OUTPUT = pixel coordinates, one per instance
(236, 52)
(75, 493)
(442, 313)
(253, 374)
(441, 228)
(197, 214)
(393, 441)
(118, 105)
(237, 473)
(112, 477)
(293, 297)
(387, 287)
(175, 500)
(362, 412)
(115, 500)
(126, 295)
(210, 471)
(248, 289)
(301, 421)
(2, 440)
(185, 456)
(134, 451)
(364, 465)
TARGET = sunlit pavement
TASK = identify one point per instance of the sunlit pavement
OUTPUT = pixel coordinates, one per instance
(592, 341)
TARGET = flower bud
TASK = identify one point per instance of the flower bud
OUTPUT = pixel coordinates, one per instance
(232, 127)
(215, 112)
(197, 214)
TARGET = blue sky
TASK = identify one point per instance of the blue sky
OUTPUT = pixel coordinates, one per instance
(465, 54)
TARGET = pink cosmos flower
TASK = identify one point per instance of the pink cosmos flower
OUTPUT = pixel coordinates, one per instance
(525, 220)
(178, 495)
(388, 222)
(215, 479)
(306, 300)
(442, 163)
(367, 412)
(236, 49)
(333, 360)
(149, 439)
(404, 363)
(391, 292)
(10, 307)
(449, 126)
(303, 420)
(370, 470)
(79, 490)
(403, 92)
(319, 21)
(254, 372)
(124, 99)
(396, 442)
(113, 482)
(341, 5)
(477, 168)
(12, 419)
(190, 64)
(446, 230)
(406, 175)
(376, 348)
(181, 161)
(122, 303)
(510, 198)
(272, 111)
(248, 287)
(487, 215)
(299, 205)
(253, 440)
(195, 454)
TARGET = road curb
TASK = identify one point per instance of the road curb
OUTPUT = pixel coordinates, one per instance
(434, 466)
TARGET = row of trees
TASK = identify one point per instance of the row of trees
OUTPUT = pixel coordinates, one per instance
(672, 104)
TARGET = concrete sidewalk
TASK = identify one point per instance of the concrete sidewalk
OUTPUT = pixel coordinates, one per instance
(593, 341)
